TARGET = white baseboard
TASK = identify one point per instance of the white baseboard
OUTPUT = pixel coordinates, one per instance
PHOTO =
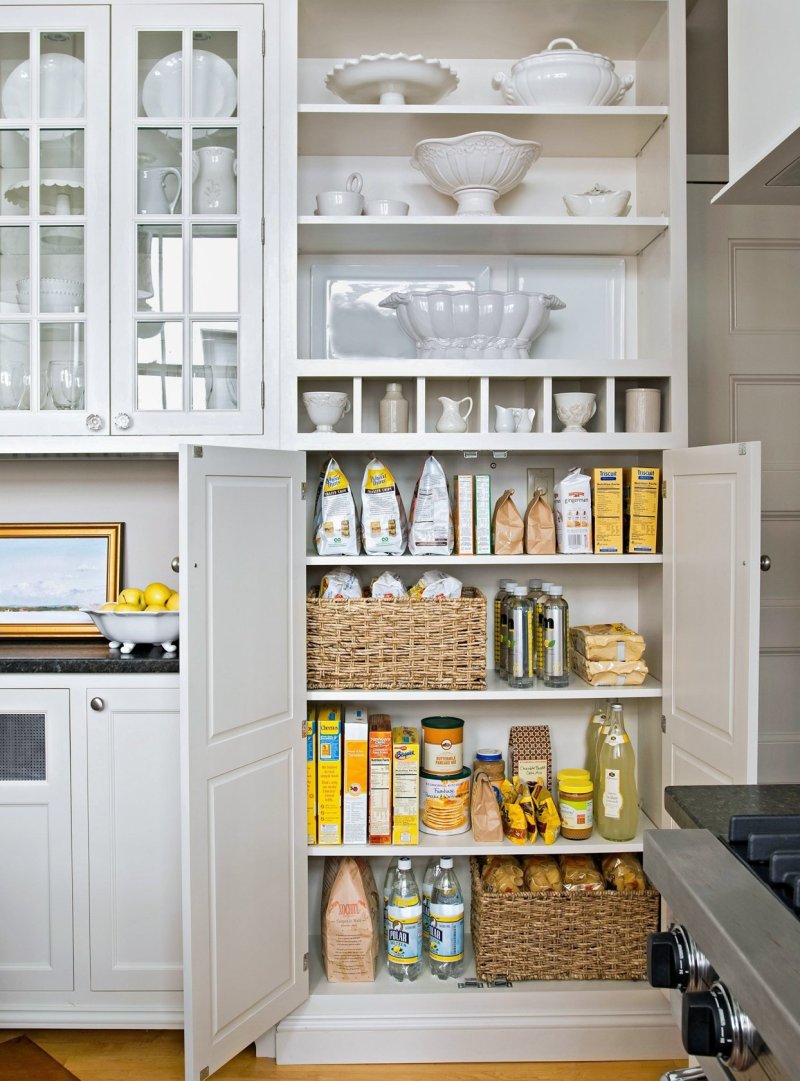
(77, 1016)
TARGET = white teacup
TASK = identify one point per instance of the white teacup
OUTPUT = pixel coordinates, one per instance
(347, 203)
(574, 409)
(326, 408)
(386, 208)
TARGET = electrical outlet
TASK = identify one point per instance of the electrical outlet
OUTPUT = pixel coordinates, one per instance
(543, 479)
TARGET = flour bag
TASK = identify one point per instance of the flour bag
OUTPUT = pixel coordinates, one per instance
(384, 527)
(430, 531)
(335, 516)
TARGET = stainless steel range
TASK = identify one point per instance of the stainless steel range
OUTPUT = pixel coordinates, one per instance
(733, 951)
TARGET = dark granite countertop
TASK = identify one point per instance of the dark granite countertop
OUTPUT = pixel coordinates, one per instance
(710, 807)
(41, 656)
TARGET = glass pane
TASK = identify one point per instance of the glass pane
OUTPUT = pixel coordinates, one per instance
(61, 161)
(15, 173)
(214, 171)
(15, 268)
(61, 268)
(214, 66)
(159, 365)
(159, 268)
(160, 73)
(62, 365)
(215, 268)
(15, 75)
(15, 366)
(61, 75)
(215, 366)
(159, 180)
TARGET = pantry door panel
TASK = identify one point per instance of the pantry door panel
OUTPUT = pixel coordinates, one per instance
(711, 606)
(245, 889)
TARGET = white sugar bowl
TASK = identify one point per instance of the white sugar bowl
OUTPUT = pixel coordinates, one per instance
(598, 202)
(575, 409)
(326, 408)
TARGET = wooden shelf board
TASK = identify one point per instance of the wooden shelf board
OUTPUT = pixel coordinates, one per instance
(497, 690)
(314, 560)
(530, 368)
(536, 441)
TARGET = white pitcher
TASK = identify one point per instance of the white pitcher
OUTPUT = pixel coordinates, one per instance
(452, 419)
(152, 189)
(503, 419)
(214, 180)
(523, 419)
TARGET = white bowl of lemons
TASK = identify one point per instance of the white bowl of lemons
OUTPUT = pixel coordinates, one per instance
(139, 617)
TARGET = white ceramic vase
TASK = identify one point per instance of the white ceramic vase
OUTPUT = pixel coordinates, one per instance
(214, 180)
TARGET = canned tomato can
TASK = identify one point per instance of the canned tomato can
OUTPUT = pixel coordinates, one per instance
(442, 745)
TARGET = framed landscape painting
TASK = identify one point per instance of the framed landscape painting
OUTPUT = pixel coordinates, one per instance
(49, 571)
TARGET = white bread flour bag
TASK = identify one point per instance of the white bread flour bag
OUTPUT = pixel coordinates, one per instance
(350, 937)
(384, 527)
(430, 532)
(572, 507)
(335, 517)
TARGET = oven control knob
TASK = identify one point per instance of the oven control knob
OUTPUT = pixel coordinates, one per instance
(665, 961)
(707, 1024)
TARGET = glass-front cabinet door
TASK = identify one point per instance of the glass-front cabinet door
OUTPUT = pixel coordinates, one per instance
(54, 220)
(187, 206)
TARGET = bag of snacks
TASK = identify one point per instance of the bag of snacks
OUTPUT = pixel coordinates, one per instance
(349, 920)
(507, 526)
(339, 583)
(430, 531)
(580, 874)
(384, 527)
(623, 872)
(540, 529)
(541, 874)
(608, 642)
(387, 585)
(501, 874)
(434, 584)
(335, 516)
(515, 824)
(548, 820)
(487, 822)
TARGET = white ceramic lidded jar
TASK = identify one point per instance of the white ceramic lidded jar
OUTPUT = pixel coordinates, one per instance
(393, 411)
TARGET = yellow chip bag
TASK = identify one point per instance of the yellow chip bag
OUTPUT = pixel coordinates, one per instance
(547, 818)
(528, 809)
(514, 825)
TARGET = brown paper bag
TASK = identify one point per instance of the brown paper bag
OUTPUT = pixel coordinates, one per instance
(350, 939)
(540, 528)
(507, 526)
(487, 822)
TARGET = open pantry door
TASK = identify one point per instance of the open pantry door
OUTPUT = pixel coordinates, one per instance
(711, 613)
(245, 885)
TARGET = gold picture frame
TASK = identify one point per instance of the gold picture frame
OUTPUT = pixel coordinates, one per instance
(50, 570)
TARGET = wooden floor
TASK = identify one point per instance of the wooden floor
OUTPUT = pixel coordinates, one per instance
(158, 1056)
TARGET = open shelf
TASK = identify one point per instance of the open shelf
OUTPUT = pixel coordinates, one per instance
(398, 368)
(608, 131)
(314, 560)
(460, 234)
(560, 442)
(496, 690)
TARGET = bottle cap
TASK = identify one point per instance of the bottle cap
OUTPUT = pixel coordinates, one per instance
(534, 583)
(488, 754)
(521, 591)
(503, 582)
(616, 705)
(404, 864)
(446, 862)
(510, 584)
(556, 591)
(546, 586)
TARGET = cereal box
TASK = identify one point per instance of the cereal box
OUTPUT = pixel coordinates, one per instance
(641, 508)
(380, 779)
(483, 514)
(607, 506)
(329, 775)
(405, 786)
(311, 775)
(355, 777)
(464, 522)
(572, 507)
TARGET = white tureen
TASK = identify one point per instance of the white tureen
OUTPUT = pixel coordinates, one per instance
(563, 77)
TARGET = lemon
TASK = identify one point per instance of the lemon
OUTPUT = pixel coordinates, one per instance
(173, 603)
(122, 606)
(157, 593)
(109, 606)
(155, 608)
(132, 596)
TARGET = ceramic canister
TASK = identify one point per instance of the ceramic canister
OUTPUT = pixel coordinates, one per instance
(442, 744)
(444, 802)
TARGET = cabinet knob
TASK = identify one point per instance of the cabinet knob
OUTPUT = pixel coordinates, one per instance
(122, 421)
(766, 563)
(94, 422)
(175, 564)
(97, 704)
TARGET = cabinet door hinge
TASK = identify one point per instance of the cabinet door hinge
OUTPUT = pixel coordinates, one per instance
(204, 1073)
(303, 489)
(742, 450)
(663, 723)
(263, 233)
(197, 452)
(304, 729)
(263, 42)
(263, 394)
(305, 962)
(663, 489)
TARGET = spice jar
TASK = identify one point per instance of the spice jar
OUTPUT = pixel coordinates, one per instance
(491, 762)
(575, 804)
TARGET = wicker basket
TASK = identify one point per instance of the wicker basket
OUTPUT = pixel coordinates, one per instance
(397, 642)
(561, 936)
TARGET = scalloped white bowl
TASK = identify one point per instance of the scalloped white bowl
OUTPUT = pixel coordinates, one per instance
(467, 325)
(475, 169)
(391, 79)
(124, 630)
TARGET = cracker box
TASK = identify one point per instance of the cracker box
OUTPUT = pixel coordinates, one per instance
(607, 506)
(329, 775)
(641, 508)
(463, 514)
(380, 779)
(311, 775)
(572, 507)
(354, 803)
(483, 514)
(529, 754)
(405, 786)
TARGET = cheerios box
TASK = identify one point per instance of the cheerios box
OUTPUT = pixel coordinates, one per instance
(405, 786)
(311, 775)
(329, 775)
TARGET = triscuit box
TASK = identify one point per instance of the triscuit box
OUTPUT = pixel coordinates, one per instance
(356, 730)
(380, 779)
(311, 775)
(572, 508)
(483, 514)
(463, 514)
(405, 786)
(641, 508)
(607, 507)
(329, 775)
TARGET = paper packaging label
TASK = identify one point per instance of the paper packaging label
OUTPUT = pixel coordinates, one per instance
(641, 508)
(405, 786)
(329, 775)
(462, 489)
(380, 780)
(572, 508)
(311, 775)
(483, 515)
(532, 770)
(355, 777)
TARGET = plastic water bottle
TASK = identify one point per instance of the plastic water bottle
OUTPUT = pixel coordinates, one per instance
(388, 886)
(404, 954)
(555, 632)
(446, 948)
(427, 890)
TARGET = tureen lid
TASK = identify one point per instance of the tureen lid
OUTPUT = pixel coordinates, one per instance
(559, 55)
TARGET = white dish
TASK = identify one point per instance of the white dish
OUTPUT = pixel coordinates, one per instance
(593, 286)
(475, 169)
(346, 320)
(568, 77)
(485, 325)
(575, 409)
(124, 630)
(598, 202)
(61, 90)
(391, 79)
(55, 295)
(214, 86)
(20, 194)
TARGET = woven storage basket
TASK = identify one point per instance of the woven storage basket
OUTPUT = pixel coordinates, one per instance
(397, 643)
(561, 936)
